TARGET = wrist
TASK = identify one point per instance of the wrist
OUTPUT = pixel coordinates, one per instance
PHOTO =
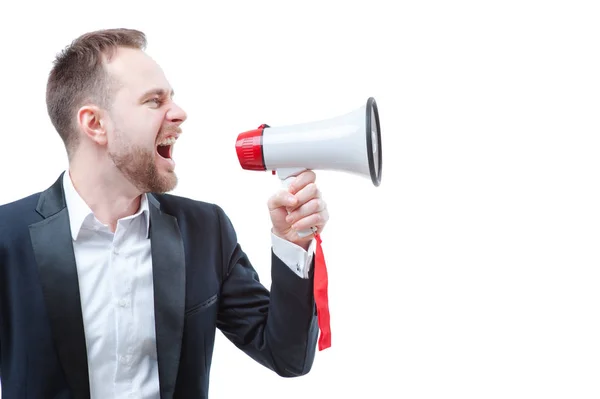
(292, 237)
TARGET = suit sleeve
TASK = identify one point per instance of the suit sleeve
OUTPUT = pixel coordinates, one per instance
(277, 328)
(2, 279)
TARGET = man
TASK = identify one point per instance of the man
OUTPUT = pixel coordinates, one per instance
(111, 288)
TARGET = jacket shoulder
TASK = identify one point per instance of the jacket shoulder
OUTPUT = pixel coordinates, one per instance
(175, 204)
(16, 216)
(192, 214)
(187, 208)
(18, 210)
(29, 201)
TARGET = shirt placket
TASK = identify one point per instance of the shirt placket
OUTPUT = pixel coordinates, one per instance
(123, 266)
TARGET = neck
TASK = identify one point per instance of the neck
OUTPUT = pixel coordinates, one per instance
(105, 190)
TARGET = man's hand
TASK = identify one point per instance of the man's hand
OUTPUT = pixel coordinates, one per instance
(298, 208)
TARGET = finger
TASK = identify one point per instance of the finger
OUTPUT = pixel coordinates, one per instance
(315, 205)
(301, 181)
(282, 199)
(314, 220)
(309, 192)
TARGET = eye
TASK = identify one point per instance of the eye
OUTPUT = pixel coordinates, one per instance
(156, 101)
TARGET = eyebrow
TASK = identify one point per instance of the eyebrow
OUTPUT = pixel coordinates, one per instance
(159, 92)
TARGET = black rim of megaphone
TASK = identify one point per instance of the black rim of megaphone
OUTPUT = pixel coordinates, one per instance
(375, 170)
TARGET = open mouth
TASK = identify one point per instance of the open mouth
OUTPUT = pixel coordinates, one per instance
(165, 148)
(165, 151)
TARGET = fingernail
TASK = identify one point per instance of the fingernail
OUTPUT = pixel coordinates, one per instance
(289, 219)
(291, 200)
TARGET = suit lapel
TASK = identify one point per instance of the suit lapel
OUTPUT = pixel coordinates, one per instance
(168, 268)
(53, 249)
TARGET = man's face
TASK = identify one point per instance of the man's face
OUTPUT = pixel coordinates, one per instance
(143, 122)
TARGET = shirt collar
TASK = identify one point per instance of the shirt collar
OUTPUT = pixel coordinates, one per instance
(79, 211)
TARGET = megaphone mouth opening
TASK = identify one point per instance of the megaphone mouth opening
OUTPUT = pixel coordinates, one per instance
(374, 153)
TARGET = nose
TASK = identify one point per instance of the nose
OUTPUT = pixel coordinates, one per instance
(176, 114)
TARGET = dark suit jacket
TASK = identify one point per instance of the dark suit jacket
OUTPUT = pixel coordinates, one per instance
(202, 280)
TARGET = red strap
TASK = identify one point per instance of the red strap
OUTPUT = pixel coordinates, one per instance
(321, 298)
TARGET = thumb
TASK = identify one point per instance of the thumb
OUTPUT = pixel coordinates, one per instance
(282, 198)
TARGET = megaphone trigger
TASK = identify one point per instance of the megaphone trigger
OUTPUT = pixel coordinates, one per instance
(287, 175)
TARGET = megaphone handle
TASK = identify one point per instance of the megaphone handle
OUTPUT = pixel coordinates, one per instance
(287, 176)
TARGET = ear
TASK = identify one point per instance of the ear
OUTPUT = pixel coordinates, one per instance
(89, 118)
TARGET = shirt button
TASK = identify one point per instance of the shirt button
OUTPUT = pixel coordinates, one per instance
(122, 303)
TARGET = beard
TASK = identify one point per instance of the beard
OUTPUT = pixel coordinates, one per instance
(138, 166)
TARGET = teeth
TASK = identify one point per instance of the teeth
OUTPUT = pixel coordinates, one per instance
(169, 141)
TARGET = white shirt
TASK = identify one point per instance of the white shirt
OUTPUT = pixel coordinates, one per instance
(117, 301)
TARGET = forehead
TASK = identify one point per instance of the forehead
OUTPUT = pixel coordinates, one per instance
(136, 72)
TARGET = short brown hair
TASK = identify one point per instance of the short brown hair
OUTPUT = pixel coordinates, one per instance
(78, 76)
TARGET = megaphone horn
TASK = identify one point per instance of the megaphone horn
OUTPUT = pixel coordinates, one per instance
(347, 143)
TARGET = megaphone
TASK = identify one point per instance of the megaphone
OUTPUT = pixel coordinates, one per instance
(347, 143)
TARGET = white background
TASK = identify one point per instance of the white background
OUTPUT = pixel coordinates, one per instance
(473, 270)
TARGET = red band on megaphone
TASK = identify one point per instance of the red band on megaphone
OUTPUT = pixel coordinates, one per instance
(249, 149)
